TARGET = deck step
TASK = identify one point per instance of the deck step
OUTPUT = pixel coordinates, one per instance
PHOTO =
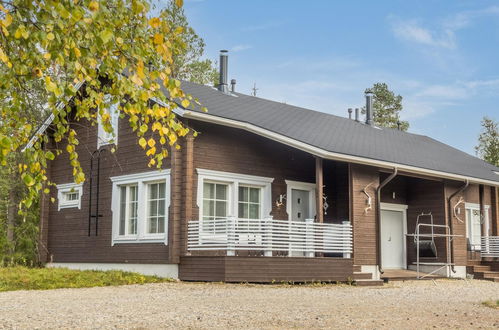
(369, 282)
(479, 268)
(362, 276)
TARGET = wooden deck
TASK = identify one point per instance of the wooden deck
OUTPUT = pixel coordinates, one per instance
(404, 275)
(264, 269)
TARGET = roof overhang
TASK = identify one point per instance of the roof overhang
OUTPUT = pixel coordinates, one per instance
(205, 117)
(324, 153)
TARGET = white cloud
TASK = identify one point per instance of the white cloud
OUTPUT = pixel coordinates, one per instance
(262, 26)
(239, 48)
(443, 33)
(412, 31)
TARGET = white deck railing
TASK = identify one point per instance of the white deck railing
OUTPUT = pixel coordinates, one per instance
(269, 235)
(490, 246)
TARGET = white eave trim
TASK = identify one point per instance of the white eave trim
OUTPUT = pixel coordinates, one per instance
(323, 153)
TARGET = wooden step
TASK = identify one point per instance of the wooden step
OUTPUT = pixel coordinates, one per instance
(362, 276)
(486, 274)
(369, 282)
(480, 268)
(357, 269)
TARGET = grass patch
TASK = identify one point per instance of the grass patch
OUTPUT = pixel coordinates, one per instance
(24, 278)
(491, 304)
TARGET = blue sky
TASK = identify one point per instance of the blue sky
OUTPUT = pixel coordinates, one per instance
(441, 56)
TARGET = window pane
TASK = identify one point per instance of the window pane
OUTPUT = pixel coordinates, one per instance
(254, 211)
(153, 191)
(153, 208)
(254, 195)
(122, 210)
(243, 210)
(221, 191)
(221, 209)
(208, 208)
(209, 190)
(161, 225)
(162, 187)
(243, 194)
(161, 207)
(132, 223)
(152, 226)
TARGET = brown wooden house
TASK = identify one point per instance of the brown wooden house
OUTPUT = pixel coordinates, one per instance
(272, 192)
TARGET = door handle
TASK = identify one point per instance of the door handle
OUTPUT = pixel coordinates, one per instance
(390, 239)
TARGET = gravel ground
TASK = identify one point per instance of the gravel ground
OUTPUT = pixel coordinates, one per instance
(423, 304)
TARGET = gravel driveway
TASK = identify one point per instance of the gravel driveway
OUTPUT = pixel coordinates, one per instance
(423, 304)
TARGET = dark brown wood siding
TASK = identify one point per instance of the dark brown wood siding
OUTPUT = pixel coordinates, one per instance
(264, 270)
(363, 220)
(68, 239)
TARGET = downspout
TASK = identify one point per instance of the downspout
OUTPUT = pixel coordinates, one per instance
(449, 206)
(378, 216)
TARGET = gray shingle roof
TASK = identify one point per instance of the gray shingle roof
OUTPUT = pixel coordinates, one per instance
(341, 135)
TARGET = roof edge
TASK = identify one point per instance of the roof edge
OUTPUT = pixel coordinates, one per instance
(324, 153)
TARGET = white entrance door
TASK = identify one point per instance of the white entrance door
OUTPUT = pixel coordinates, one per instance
(300, 211)
(393, 239)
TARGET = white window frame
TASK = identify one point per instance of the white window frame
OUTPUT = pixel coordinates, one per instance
(142, 180)
(306, 186)
(476, 207)
(103, 137)
(66, 188)
(233, 180)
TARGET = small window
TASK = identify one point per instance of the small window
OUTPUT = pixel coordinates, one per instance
(103, 137)
(69, 195)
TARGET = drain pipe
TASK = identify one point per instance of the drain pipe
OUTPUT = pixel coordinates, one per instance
(378, 215)
(460, 190)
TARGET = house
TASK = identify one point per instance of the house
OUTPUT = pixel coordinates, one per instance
(273, 192)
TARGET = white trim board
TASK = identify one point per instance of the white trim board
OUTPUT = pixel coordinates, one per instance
(161, 270)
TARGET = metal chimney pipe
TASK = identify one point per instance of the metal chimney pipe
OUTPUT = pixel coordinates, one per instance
(224, 59)
(369, 107)
(357, 114)
(349, 113)
(233, 85)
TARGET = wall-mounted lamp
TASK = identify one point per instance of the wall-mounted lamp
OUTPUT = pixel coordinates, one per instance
(280, 201)
(325, 205)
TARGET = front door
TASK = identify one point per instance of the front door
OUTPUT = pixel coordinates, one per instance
(392, 239)
(300, 210)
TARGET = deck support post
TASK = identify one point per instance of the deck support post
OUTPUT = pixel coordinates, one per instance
(231, 236)
(267, 238)
(319, 183)
(309, 238)
(346, 233)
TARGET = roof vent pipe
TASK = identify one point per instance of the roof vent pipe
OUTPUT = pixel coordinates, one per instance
(369, 107)
(224, 59)
(357, 114)
(233, 85)
(349, 113)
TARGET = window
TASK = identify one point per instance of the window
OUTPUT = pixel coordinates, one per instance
(128, 210)
(69, 195)
(215, 201)
(249, 202)
(156, 208)
(223, 194)
(474, 221)
(103, 137)
(140, 207)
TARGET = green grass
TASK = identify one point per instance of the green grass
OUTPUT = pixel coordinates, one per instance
(24, 278)
(491, 303)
